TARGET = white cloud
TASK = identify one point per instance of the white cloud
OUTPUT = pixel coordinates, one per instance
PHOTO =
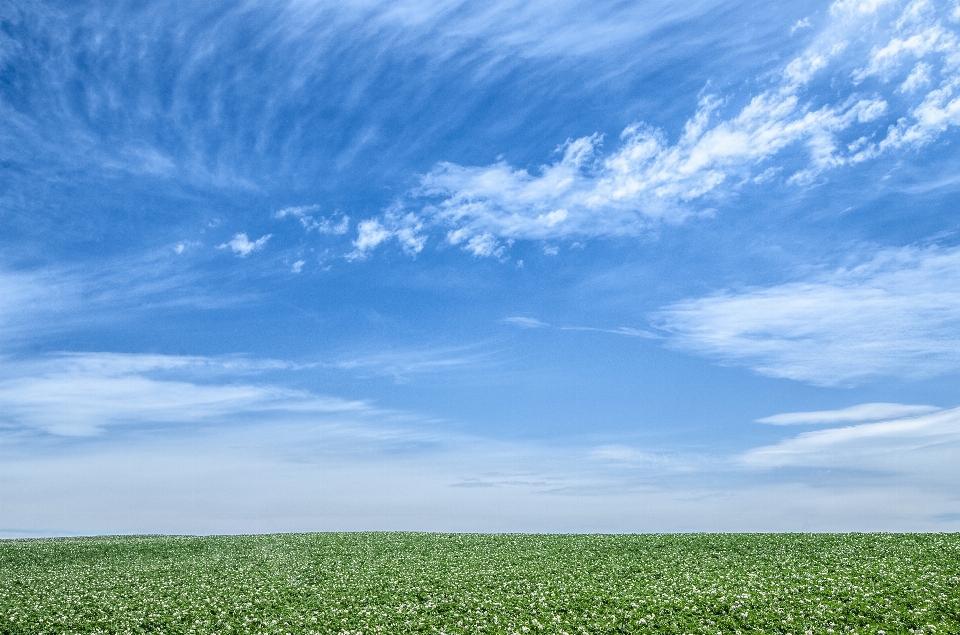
(800, 24)
(82, 395)
(323, 225)
(540, 28)
(27, 295)
(896, 314)
(242, 246)
(402, 364)
(620, 330)
(922, 447)
(406, 229)
(644, 181)
(525, 322)
(218, 455)
(629, 456)
(347, 477)
(530, 323)
(648, 180)
(370, 234)
(184, 246)
(854, 7)
(297, 266)
(484, 245)
(853, 414)
(297, 211)
(917, 79)
(40, 302)
(293, 36)
(923, 42)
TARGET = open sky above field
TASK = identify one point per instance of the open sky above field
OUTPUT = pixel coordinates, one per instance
(295, 265)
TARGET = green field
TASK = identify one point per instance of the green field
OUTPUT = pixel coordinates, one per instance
(476, 583)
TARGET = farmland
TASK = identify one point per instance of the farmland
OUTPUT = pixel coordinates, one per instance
(368, 583)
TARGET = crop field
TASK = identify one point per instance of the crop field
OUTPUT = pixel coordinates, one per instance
(368, 583)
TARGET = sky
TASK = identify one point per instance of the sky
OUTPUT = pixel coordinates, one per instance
(436, 265)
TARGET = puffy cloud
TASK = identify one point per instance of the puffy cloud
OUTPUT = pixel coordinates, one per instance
(322, 225)
(370, 234)
(647, 179)
(800, 24)
(243, 247)
(896, 314)
(917, 79)
(931, 48)
(406, 229)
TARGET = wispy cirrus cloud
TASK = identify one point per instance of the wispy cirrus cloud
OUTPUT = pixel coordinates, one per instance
(628, 456)
(898, 68)
(529, 323)
(40, 302)
(853, 414)
(540, 29)
(84, 394)
(229, 455)
(897, 314)
(922, 446)
(164, 112)
(524, 322)
(402, 364)
(628, 331)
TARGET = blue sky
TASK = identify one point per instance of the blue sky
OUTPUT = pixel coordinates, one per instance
(506, 266)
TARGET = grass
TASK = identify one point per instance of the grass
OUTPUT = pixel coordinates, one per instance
(474, 583)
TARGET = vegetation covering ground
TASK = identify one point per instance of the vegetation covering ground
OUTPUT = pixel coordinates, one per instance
(441, 583)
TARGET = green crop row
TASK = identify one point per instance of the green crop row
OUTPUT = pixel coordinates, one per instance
(710, 584)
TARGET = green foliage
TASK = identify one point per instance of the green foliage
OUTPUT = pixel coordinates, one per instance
(369, 583)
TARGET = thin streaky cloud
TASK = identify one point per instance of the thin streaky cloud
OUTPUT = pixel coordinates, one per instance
(401, 365)
(625, 455)
(853, 414)
(896, 314)
(923, 447)
(502, 28)
(533, 323)
(622, 330)
(116, 364)
(60, 299)
(85, 394)
(524, 322)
